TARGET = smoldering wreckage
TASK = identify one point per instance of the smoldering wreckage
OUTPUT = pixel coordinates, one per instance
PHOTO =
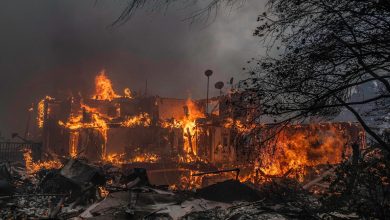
(135, 156)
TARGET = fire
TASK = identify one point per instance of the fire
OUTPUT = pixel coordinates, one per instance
(119, 159)
(75, 123)
(295, 148)
(98, 120)
(41, 111)
(94, 111)
(188, 124)
(143, 119)
(115, 158)
(188, 181)
(73, 140)
(33, 167)
(147, 157)
(238, 125)
(172, 124)
(104, 90)
(128, 93)
(189, 158)
(289, 152)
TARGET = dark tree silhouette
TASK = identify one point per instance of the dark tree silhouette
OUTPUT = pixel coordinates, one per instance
(210, 8)
(330, 48)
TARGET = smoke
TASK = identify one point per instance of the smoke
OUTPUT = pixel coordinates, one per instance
(56, 48)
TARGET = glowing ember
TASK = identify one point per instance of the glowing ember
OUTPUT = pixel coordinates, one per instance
(103, 192)
(119, 159)
(188, 181)
(147, 157)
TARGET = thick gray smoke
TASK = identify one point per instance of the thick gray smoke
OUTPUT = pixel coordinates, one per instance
(56, 48)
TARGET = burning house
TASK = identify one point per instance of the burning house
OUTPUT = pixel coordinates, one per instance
(110, 144)
(148, 129)
(275, 142)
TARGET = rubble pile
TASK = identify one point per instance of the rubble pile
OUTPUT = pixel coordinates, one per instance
(80, 190)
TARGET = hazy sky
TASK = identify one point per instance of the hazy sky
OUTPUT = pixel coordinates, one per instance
(53, 47)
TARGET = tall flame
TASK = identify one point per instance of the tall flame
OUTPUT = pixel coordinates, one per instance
(103, 88)
(188, 124)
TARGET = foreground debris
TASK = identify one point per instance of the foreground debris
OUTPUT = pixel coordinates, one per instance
(80, 190)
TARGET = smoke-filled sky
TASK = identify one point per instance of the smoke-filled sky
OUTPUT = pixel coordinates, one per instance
(54, 47)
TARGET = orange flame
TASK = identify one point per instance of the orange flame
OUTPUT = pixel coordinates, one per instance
(188, 124)
(295, 148)
(33, 167)
(41, 111)
(128, 93)
(238, 125)
(75, 122)
(119, 159)
(188, 181)
(143, 119)
(73, 140)
(104, 90)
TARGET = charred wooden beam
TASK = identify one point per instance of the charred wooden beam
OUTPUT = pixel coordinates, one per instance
(237, 170)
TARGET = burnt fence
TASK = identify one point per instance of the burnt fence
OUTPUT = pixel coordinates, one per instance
(12, 151)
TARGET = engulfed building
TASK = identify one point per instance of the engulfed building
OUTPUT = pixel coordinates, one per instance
(95, 127)
(129, 128)
(164, 126)
(108, 124)
(168, 127)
